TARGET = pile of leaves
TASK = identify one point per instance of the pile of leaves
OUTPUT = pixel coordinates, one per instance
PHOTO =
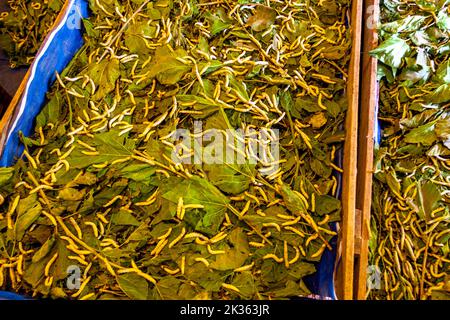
(24, 27)
(411, 193)
(97, 197)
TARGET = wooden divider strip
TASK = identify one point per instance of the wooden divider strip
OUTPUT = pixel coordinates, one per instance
(369, 100)
(349, 191)
(346, 268)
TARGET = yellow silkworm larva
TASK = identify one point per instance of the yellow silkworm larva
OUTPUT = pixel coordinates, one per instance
(245, 268)
(230, 287)
(219, 237)
(93, 226)
(165, 235)
(272, 224)
(178, 238)
(202, 260)
(214, 252)
(319, 252)
(49, 264)
(183, 264)
(274, 257)
(296, 257)
(256, 244)
(83, 285)
(170, 271)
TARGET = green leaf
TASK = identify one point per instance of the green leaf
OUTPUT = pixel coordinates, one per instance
(291, 289)
(6, 175)
(197, 190)
(165, 66)
(384, 71)
(321, 168)
(44, 250)
(135, 36)
(428, 197)
(304, 103)
(231, 178)
(207, 107)
(124, 218)
(59, 268)
(408, 24)
(424, 134)
(442, 130)
(89, 28)
(443, 73)
(167, 288)
(235, 255)
(71, 194)
(199, 273)
(219, 21)
(110, 147)
(105, 75)
(326, 204)
(240, 88)
(142, 233)
(443, 21)
(421, 38)
(417, 70)
(271, 215)
(245, 282)
(134, 286)
(391, 51)
(286, 101)
(34, 271)
(302, 269)
(440, 95)
(51, 112)
(293, 201)
(138, 172)
(393, 182)
(28, 210)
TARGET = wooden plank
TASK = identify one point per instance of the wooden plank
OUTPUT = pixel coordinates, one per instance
(346, 267)
(12, 110)
(369, 97)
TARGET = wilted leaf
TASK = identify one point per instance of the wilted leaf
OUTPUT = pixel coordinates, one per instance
(262, 19)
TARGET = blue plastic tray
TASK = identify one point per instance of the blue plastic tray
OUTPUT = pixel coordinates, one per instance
(57, 51)
(10, 296)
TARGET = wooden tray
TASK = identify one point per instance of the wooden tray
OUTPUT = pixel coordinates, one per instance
(344, 277)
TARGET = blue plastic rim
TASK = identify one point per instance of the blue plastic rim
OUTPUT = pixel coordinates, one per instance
(56, 52)
(10, 296)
